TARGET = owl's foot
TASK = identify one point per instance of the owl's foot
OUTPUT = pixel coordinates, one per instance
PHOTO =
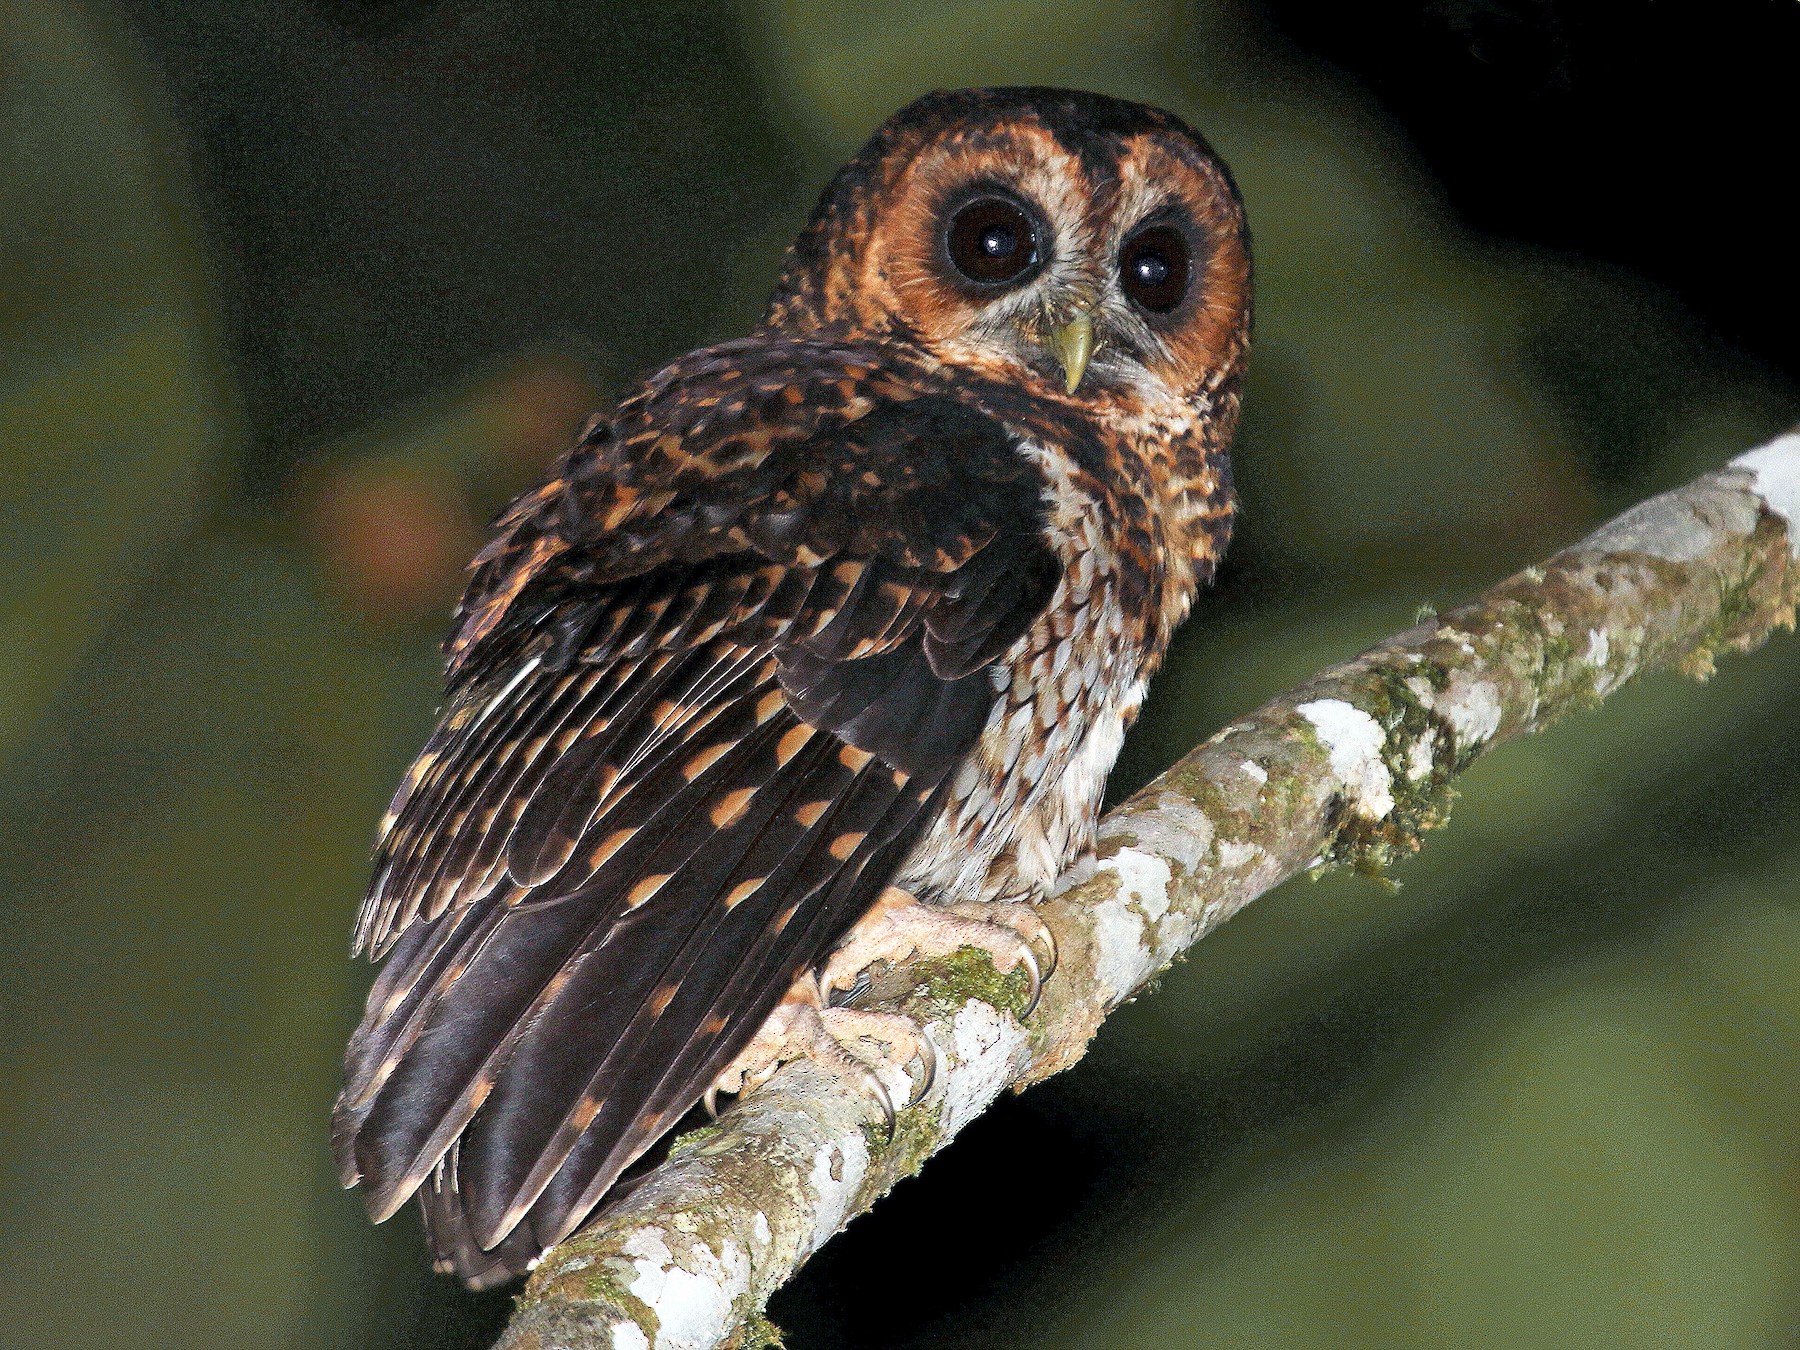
(803, 1026)
(900, 927)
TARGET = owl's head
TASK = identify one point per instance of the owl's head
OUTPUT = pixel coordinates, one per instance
(1092, 247)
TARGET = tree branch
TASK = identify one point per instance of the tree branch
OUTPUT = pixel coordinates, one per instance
(1349, 768)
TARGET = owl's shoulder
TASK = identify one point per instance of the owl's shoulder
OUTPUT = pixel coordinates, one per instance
(795, 450)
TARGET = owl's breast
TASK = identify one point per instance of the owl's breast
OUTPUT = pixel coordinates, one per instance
(1023, 806)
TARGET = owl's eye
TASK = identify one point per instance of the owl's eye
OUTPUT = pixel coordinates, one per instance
(1153, 268)
(992, 241)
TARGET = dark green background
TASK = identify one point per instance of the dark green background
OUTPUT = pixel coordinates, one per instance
(291, 297)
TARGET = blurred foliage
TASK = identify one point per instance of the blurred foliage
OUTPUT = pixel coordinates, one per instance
(295, 295)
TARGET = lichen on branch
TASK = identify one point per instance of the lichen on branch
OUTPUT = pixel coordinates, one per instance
(1350, 768)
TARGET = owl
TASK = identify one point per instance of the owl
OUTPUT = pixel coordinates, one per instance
(815, 651)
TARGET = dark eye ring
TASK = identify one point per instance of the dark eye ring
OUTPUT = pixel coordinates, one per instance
(1154, 268)
(992, 241)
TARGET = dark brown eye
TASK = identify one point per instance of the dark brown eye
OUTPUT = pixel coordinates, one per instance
(992, 241)
(1153, 268)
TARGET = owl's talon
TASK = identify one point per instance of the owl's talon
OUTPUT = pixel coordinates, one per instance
(1027, 959)
(900, 927)
(1035, 989)
(1052, 957)
(888, 1115)
(1024, 920)
(832, 1053)
(899, 1033)
(843, 998)
(928, 1067)
(805, 1026)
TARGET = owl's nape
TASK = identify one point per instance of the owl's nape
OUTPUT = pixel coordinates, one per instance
(814, 652)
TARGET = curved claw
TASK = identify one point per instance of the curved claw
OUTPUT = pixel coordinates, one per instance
(844, 998)
(1053, 956)
(1034, 991)
(1040, 967)
(930, 1063)
(883, 1100)
(710, 1100)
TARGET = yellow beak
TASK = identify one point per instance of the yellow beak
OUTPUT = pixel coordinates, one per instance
(1072, 345)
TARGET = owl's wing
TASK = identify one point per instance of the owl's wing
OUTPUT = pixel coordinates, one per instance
(708, 687)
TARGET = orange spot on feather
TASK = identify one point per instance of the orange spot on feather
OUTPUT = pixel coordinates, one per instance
(743, 891)
(792, 743)
(731, 807)
(646, 888)
(701, 762)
